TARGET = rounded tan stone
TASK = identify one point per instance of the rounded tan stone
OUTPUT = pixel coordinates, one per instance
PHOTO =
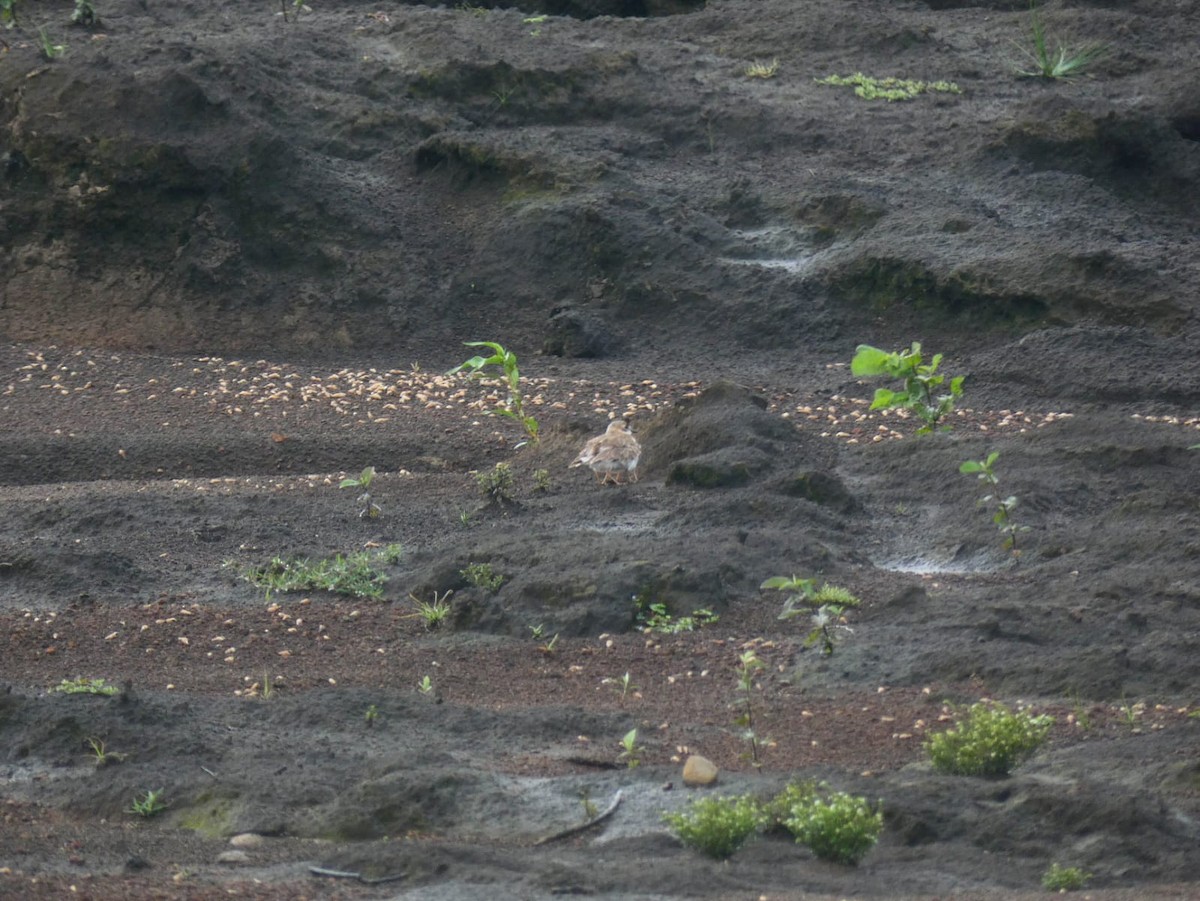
(699, 770)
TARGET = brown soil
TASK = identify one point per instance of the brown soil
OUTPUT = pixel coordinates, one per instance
(235, 255)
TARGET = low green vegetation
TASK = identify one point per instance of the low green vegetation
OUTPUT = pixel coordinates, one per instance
(433, 613)
(84, 686)
(481, 576)
(1043, 62)
(825, 605)
(1002, 506)
(496, 484)
(988, 739)
(101, 755)
(921, 383)
(367, 508)
(762, 70)
(50, 50)
(837, 827)
(425, 686)
(748, 668)
(1064, 879)
(889, 89)
(655, 616)
(371, 715)
(84, 14)
(8, 13)
(506, 361)
(149, 804)
(353, 574)
(631, 751)
(541, 480)
(622, 685)
(716, 827)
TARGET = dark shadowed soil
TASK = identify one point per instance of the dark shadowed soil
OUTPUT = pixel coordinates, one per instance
(236, 255)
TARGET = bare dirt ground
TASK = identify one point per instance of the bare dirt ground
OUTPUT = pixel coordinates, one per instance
(236, 256)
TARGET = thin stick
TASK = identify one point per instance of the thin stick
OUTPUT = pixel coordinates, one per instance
(571, 830)
(345, 874)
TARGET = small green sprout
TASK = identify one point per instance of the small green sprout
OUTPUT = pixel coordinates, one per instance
(589, 806)
(506, 361)
(496, 485)
(921, 380)
(149, 804)
(631, 751)
(622, 686)
(368, 509)
(761, 70)
(433, 613)
(84, 14)
(1002, 516)
(425, 686)
(50, 50)
(1057, 63)
(749, 665)
(826, 606)
(370, 715)
(481, 576)
(101, 755)
(1064, 879)
(541, 480)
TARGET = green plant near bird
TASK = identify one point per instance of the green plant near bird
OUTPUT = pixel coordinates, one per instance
(541, 480)
(748, 667)
(149, 804)
(1064, 879)
(825, 605)
(889, 89)
(481, 576)
(50, 50)
(368, 509)
(353, 574)
(85, 686)
(506, 361)
(631, 751)
(1002, 506)
(1047, 63)
(988, 739)
(716, 827)
(496, 484)
(920, 395)
(433, 613)
(835, 826)
(85, 13)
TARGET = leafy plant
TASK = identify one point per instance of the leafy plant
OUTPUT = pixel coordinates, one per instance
(838, 827)
(50, 50)
(761, 70)
(985, 469)
(506, 361)
(83, 686)
(369, 509)
(425, 686)
(988, 740)
(495, 484)
(481, 576)
(1057, 63)
(622, 686)
(433, 613)
(390, 554)
(655, 616)
(748, 668)
(631, 751)
(921, 381)
(1064, 879)
(85, 13)
(541, 480)
(149, 804)
(826, 605)
(101, 755)
(353, 574)
(716, 827)
(370, 715)
(889, 89)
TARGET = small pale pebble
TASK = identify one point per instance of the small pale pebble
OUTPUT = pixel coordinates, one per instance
(246, 840)
(699, 770)
(233, 858)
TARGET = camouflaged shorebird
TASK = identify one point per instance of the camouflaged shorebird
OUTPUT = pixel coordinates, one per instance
(612, 454)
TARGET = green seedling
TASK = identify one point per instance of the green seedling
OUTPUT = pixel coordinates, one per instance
(1057, 63)
(988, 739)
(838, 827)
(761, 70)
(353, 574)
(495, 484)
(589, 806)
(548, 647)
(101, 755)
(825, 605)
(506, 361)
(266, 689)
(481, 576)
(297, 7)
(149, 804)
(889, 89)
(50, 50)
(716, 827)
(1132, 714)
(464, 518)
(655, 616)
(425, 686)
(541, 480)
(921, 382)
(631, 751)
(371, 715)
(433, 613)
(8, 13)
(749, 665)
(368, 509)
(84, 14)
(622, 686)
(391, 554)
(1064, 879)
(1003, 507)
(536, 21)
(82, 686)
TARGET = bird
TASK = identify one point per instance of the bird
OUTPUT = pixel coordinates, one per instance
(612, 454)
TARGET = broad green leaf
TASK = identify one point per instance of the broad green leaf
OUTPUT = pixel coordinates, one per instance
(870, 360)
(885, 397)
(971, 466)
(956, 384)
(348, 483)
(778, 582)
(992, 458)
